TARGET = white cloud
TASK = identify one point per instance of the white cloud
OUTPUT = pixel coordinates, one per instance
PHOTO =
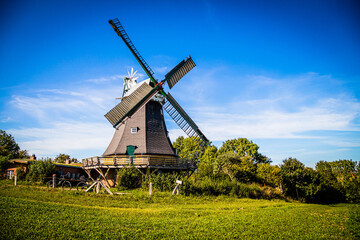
(105, 79)
(220, 124)
(282, 108)
(257, 107)
(175, 133)
(65, 137)
(6, 119)
(161, 70)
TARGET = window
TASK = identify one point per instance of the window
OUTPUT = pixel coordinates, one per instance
(9, 174)
(134, 130)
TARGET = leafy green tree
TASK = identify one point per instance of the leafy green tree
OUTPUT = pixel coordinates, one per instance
(341, 177)
(268, 174)
(241, 169)
(243, 147)
(4, 163)
(189, 148)
(207, 160)
(61, 158)
(41, 171)
(8, 146)
(23, 154)
(292, 174)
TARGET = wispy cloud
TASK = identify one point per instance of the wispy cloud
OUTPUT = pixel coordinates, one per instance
(105, 79)
(255, 106)
(6, 119)
(161, 70)
(268, 107)
(65, 137)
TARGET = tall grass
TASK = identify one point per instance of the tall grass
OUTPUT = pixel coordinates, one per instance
(28, 212)
(209, 186)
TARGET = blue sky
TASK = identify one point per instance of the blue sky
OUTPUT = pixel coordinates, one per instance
(284, 74)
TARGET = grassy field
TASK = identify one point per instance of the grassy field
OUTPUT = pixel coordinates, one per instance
(28, 212)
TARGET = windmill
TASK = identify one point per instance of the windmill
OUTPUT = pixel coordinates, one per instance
(141, 137)
(144, 93)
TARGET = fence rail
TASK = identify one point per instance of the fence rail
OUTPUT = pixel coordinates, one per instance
(154, 161)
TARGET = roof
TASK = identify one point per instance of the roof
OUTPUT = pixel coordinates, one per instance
(76, 165)
(28, 161)
(25, 161)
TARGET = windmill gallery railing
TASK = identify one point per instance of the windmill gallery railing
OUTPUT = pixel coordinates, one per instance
(138, 161)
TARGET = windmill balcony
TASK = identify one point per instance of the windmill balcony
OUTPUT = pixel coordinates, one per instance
(142, 161)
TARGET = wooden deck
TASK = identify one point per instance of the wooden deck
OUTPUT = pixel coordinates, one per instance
(143, 161)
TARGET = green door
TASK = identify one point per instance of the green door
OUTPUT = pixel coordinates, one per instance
(130, 151)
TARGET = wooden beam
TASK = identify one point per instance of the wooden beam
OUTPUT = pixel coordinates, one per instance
(102, 174)
(108, 190)
(141, 172)
(89, 173)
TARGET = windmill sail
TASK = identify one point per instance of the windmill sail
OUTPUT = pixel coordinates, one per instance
(179, 71)
(142, 95)
(119, 29)
(130, 103)
(183, 120)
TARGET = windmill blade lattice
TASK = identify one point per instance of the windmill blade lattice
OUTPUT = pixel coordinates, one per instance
(130, 103)
(183, 120)
(119, 29)
(179, 71)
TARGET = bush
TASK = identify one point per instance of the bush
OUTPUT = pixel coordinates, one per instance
(128, 178)
(216, 187)
(162, 182)
(20, 172)
(41, 171)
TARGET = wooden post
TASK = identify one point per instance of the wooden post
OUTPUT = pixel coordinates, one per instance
(15, 179)
(54, 178)
(150, 189)
(98, 187)
(176, 189)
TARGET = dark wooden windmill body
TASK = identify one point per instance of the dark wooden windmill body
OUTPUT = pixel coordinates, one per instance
(141, 138)
(145, 133)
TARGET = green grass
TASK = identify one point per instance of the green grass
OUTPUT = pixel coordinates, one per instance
(28, 212)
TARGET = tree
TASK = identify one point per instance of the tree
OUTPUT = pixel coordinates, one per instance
(206, 164)
(61, 158)
(341, 176)
(268, 174)
(189, 148)
(8, 146)
(243, 147)
(241, 169)
(292, 174)
(23, 154)
(4, 163)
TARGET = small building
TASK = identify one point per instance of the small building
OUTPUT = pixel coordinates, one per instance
(69, 170)
(16, 164)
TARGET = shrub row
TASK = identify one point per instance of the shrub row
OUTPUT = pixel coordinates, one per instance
(208, 186)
